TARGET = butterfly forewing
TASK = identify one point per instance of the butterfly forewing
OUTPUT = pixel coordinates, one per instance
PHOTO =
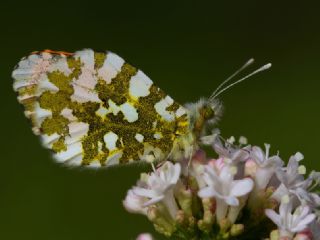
(95, 109)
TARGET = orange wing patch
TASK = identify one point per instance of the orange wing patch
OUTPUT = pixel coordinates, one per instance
(54, 52)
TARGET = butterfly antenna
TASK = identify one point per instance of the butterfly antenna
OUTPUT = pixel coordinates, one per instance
(247, 64)
(263, 68)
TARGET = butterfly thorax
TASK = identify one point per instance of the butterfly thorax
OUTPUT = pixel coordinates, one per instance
(202, 116)
(205, 113)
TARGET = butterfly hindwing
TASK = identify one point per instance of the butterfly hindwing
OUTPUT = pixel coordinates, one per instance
(95, 109)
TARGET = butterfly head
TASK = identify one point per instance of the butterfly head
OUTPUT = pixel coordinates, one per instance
(204, 114)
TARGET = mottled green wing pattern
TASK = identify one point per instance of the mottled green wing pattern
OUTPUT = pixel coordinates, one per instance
(95, 109)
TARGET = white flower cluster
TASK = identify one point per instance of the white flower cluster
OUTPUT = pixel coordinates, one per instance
(242, 194)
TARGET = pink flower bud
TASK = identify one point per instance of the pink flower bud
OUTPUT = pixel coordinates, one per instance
(212, 163)
(219, 164)
(144, 236)
(250, 168)
(199, 157)
(302, 236)
(285, 238)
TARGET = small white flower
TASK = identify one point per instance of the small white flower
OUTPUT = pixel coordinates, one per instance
(230, 153)
(266, 165)
(135, 203)
(293, 181)
(312, 199)
(224, 189)
(160, 185)
(291, 177)
(290, 223)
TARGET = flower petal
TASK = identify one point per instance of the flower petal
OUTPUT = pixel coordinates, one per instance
(232, 201)
(241, 187)
(134, 203)
(273, 216)
(207, 192)
(225, 175)
(304, 223)
(176, 173)
(258, 155)
(149, 193)
(153, 201)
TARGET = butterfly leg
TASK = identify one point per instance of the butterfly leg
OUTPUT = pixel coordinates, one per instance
(150, 159)
(190, 160)
(153, 167)
(210, 139)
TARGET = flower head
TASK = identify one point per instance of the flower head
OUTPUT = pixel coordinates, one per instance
(266, 165)
(290, 223)
(224, 188)
(231, 153)
(159, 186)
(226, 197)
(292, 175)
(293, 182)
(135, 203)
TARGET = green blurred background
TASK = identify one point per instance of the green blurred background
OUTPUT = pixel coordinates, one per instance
(187, 48)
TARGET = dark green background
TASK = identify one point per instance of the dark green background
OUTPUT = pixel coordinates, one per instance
(187, 48)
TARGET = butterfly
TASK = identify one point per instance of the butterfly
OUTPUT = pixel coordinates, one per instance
(94, 109)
